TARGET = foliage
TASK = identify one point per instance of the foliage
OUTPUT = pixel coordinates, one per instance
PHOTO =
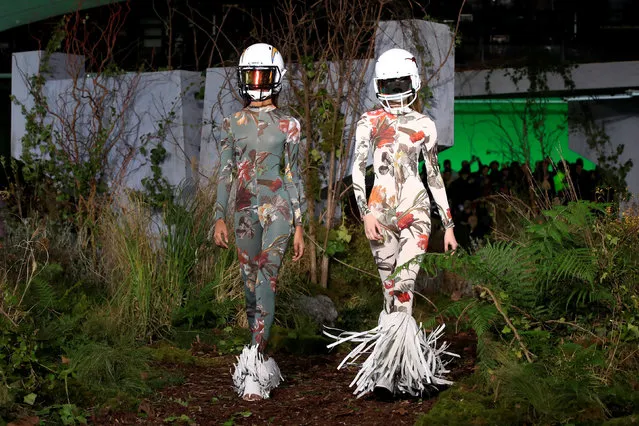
(217, 302)
(68, 149)
(58, 350)
(158, 190)
(355, 286)
(555, 313)
(152, 260)
(338, 239)
(108, 369)
(464, 404)
(78, 150)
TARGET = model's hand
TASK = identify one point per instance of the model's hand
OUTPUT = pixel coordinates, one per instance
(221, 234)
(372, 228)
(449, 240)
(298, 243)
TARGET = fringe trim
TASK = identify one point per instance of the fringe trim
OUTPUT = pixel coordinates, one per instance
(251, 363)
(400, 353)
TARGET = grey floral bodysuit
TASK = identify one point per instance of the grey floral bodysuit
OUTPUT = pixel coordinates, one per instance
(261, 150)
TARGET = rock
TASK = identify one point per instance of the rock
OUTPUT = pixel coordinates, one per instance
(320, 309)
(445, 282)
(427, 284)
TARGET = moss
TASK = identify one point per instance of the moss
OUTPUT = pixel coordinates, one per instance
(120, 402)
(211, 362)
(297, 341)
(463, 405)
(165, 352)
(623, 421)
(161, 378)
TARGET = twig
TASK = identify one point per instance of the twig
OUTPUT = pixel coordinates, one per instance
(339, 261)
(452, 43)
(427, 299)
(510, 324)
(6, 315)
(614, 352)
(572, 324)
(461, 314)
(632, 354)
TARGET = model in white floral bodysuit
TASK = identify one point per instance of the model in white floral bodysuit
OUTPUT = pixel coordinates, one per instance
(397, 214)
(397, 222)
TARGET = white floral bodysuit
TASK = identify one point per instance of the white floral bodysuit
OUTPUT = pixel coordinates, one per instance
(399, 199)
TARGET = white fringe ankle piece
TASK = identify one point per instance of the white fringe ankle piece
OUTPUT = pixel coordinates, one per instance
(400, 354)
(251, 365)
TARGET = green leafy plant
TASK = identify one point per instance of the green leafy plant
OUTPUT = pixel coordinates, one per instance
(67, 149)
(157, 189)
(552, 311)
(66, 414)
(183, 418)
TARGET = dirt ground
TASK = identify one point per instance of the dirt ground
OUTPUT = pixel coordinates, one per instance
(314, 393)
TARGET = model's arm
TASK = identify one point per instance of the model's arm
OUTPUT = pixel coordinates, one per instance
(225, 171)
(433, 175)
(360, 158)
(293, 181)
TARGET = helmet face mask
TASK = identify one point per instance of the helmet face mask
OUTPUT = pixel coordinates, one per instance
(259, 83)
(396, 79)
(260, 72)
(399, 87)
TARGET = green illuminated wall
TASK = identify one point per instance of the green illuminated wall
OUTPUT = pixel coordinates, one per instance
(492, 129)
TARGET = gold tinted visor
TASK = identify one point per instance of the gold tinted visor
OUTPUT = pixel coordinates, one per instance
(257, 77)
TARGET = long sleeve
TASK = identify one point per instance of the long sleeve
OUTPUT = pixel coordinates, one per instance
(293, 181)
(360, 158)
(434, 177)
(225, 171)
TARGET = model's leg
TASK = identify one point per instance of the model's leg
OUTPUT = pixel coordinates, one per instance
(275, 239)
(254, 377)
(413, 242)
(402, 357)
(248, 239)
(385, 255)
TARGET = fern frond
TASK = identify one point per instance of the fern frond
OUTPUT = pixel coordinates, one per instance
(482, 317)
(571, 264)
(589, 295)
(44, 293)
(501, 264)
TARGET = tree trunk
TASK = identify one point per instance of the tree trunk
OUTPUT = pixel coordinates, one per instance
(328, 223)
(324, 281)
(312, 233)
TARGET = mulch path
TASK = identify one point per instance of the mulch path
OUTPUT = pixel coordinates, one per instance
(314, 393)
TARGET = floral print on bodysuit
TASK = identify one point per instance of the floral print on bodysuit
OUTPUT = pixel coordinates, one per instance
(261, 149)
(256, 142)
(398, 198)
(398, 190)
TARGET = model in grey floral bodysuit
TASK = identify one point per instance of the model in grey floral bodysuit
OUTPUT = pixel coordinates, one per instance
(269, 205)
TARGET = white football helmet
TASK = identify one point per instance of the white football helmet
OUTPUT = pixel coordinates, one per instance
(396, 79)
(260, 72)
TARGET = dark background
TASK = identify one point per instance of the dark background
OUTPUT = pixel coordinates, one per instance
(493, 33)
